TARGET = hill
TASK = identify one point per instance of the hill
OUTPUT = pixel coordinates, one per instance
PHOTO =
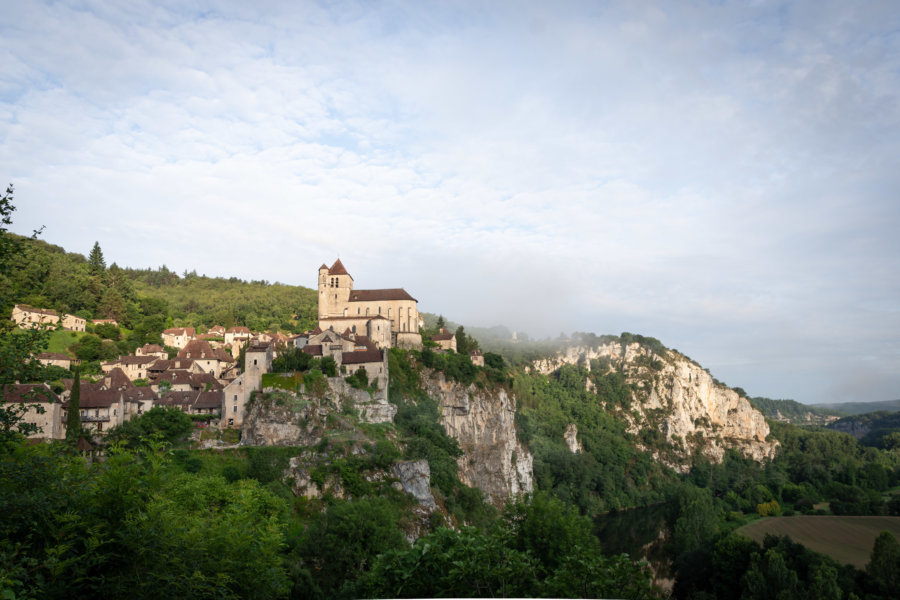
(791, 411)
(46, 276)
(879, 429)
(859, 408)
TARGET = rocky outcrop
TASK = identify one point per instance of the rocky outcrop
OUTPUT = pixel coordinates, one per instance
(280, 418)
(284, 419)
(414, 477)
(571, 437)
(483, 422)
(679, 398)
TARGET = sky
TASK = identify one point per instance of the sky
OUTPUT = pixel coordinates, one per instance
(723, 176)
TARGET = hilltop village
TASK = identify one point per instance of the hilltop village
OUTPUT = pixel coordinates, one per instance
(205, 377)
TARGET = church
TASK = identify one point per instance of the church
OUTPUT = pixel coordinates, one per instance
(389, 317)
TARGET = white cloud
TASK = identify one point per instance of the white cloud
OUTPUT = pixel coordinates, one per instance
(720, 176)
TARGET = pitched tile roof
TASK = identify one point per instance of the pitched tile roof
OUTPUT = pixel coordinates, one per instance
(338, 269)
(37, 393)
(362, 356)
(380, 295)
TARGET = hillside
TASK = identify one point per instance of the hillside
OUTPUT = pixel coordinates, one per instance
(46, 276)
(859, 408)
(880, 429)
(791, 411)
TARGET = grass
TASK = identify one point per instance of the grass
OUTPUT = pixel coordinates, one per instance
(846, 539)
(60, 340)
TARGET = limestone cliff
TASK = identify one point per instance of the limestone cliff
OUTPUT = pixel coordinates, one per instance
(677, 397)
(483, 422)
(279, 418)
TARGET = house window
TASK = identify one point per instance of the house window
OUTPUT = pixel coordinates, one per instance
(234, 408)
(379, 310)
(254, 361)
(235, 397)
(231, 421)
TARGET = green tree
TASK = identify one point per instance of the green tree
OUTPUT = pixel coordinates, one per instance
(73, 416)
(884, 565)
(166, 423)
(96, 261)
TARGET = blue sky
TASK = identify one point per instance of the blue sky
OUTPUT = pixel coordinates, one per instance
(720, 175)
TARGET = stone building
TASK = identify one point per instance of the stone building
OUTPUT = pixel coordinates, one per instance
(388, 317)
(50, 423)
(178, 337)
(445, 339)
(27, 316)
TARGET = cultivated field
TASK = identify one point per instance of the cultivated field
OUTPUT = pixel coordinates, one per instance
(846, 539)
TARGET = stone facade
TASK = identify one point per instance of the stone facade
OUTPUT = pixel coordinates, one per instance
(178, 337)
(338, 300)
(73, 323)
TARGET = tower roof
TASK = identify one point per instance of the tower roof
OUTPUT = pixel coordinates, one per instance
(338, 268)
(324, 266)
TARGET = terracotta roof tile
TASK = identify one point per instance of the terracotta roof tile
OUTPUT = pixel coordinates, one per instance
(338, 269)
(363, 356)
(380, 295)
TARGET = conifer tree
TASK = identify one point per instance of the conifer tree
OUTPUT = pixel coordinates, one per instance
(73, 418)
(96, 261)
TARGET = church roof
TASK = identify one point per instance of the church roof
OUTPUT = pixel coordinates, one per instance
(324, 266)
(338, 269)
(380, 295)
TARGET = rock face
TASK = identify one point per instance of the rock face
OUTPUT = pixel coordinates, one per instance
(279, 418)
(284, 419)
(483, 422)
(415, 479)
(680, 399)
(571, 437)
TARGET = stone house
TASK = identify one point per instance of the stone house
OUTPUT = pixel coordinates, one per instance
(477, 358)
(55, 360)
(73, 323)
(135, 367)
(341, 307)
(216, 361)
(193, 402)
(50, 423)
(27, 316)
(237, 334)
(351, 352)
(178, 337)
(216, 330)
(445, 339)
(154, 350)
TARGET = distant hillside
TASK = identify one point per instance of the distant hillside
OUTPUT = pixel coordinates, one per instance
(880, 429)
(47, 276)
(791, 411)
(859, 408)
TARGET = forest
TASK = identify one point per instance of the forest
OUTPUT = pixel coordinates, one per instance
(158, 517)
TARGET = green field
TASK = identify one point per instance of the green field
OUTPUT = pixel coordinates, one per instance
(846, 539)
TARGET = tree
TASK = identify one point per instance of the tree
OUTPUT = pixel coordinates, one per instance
(884, 565)
(96, 262)
(73, 417)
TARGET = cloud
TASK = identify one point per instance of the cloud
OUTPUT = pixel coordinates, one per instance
(720, 176)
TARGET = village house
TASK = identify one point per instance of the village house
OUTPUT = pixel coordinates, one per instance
(237, 334)
(178, 337)
(53, 359)
(217, 330)
(477, 358)
(351, 352)
(43, 408)
(135, 367)
(445, 339)
(388, 317)
(155, 370)
(193, 402)
(218, 362)
(73, 323)
(154, 350)
(26, 316)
